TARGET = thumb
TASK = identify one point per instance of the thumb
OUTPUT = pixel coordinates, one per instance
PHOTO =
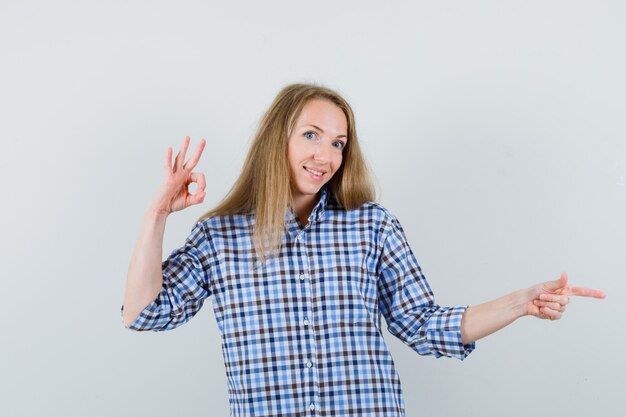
(557, 284)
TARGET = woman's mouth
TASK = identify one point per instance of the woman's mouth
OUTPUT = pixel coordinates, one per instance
(315, 173)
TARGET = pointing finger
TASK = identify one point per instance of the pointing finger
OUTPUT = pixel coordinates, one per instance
(586, 292)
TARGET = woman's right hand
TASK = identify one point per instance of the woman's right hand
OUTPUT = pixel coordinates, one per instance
(174, 195)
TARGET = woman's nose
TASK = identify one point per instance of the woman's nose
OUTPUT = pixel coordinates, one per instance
(321, 151)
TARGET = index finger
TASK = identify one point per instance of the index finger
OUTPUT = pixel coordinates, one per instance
(587, 292)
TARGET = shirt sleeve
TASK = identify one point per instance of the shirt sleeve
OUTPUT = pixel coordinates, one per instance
(186, 283)
(408, 305)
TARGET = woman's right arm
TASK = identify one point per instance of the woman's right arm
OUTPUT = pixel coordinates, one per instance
(145, 277)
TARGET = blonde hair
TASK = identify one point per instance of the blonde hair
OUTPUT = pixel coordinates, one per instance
(263, 188)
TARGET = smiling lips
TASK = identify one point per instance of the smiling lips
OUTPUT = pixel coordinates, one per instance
(316, 174)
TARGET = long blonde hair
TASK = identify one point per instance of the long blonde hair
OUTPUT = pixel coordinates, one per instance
(263, 188)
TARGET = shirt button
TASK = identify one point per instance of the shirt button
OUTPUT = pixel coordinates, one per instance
(309, 364)
(301, 276)
(312, 407)
(306, 322)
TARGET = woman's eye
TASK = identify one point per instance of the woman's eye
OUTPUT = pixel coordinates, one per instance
(339, 144)
(310, 135)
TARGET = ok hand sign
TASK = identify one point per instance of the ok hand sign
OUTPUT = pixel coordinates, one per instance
(174, 195)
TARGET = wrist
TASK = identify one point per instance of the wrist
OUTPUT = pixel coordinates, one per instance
(155, 213)
(520, 301)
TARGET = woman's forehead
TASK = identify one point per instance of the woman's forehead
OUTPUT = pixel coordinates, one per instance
(324, 115)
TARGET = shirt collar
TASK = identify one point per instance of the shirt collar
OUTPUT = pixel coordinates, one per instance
(316, 213)
(320, 207)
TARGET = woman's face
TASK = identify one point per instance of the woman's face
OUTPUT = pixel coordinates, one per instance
(315, 148)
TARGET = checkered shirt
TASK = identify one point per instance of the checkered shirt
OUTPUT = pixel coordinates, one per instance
(301, 333)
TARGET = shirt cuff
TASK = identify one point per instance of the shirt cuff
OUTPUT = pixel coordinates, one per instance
(443, 333)
(147, 318)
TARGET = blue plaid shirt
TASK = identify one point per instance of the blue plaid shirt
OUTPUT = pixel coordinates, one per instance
(301, 333)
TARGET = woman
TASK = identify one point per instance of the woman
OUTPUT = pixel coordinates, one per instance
(302, 264)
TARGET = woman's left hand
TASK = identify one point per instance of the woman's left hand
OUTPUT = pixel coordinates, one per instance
(549, 300)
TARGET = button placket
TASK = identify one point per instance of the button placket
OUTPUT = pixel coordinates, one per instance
(309, 331)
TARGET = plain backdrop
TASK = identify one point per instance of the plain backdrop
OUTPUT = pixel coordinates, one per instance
(495, 130)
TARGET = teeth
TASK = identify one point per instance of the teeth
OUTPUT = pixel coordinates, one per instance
(318, 173)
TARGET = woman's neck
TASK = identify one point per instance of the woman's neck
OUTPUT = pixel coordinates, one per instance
(303, 206)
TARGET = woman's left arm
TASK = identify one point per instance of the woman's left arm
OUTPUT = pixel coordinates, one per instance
(546, 301)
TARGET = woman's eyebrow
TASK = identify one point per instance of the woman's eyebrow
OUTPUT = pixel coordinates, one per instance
(322, 130)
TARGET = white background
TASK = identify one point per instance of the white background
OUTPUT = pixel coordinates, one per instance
(495, 130)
